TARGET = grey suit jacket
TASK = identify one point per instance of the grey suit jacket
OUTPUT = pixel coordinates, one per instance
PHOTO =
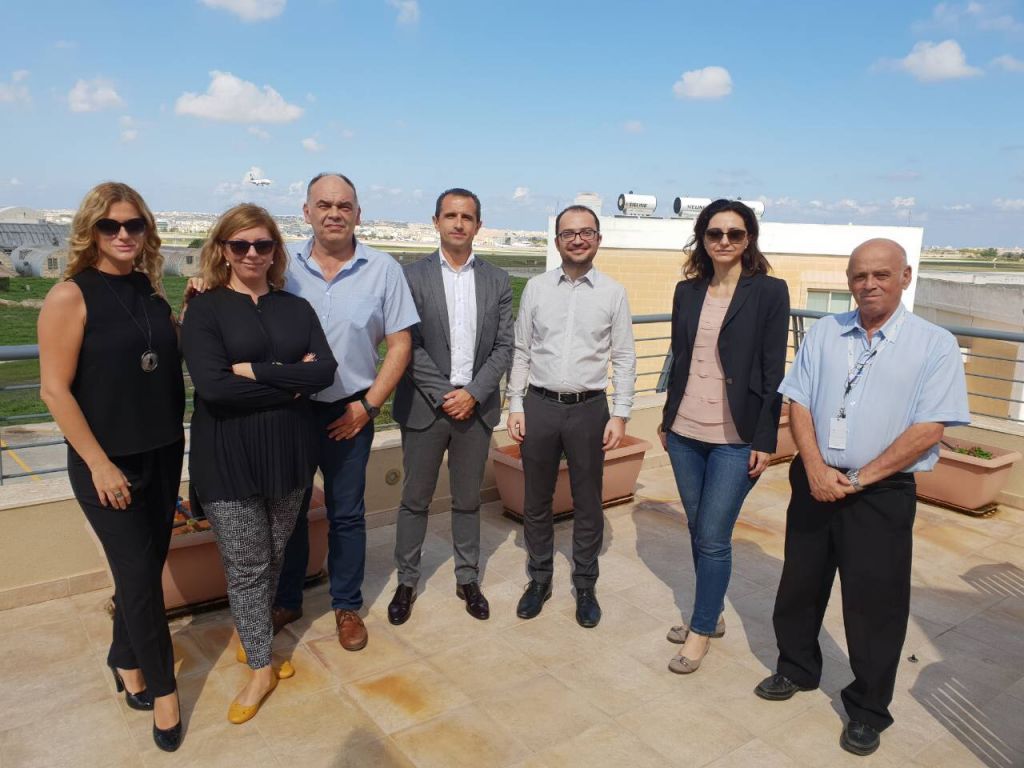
(421, 391)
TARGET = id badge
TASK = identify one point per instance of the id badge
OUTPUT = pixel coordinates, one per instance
(837, 434)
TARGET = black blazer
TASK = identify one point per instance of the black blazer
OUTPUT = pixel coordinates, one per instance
(751, 346)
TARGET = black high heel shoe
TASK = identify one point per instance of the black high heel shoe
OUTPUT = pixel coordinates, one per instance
(141, 700)
(168, 739)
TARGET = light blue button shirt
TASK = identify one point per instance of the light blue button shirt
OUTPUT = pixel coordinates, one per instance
(367, 300)
(916, 376)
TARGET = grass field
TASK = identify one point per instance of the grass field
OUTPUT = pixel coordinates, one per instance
(18, 326)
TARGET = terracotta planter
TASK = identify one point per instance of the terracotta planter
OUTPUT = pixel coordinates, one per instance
(785, 446)
(194, 572)
(965, 481)
(621, 469)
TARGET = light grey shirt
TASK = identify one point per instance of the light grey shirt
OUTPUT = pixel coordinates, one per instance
(460, 296)
(566, 334)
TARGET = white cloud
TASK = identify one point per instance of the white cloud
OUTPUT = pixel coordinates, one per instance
(297, 188)
(16, 90)
(906, 174)
(521, 193)
(348, 133)
(408, 10)
(249, 10)
(706, 83)
(959, 207)
(633, 126)
(1009, 205)
(230, 99)
(985, 17)
(903, 202)
(258, 132)
(15, 181)
(93, 95)
(310, 144)
(1008, 63)
(417, 194)
(129, 131)
(931, 62)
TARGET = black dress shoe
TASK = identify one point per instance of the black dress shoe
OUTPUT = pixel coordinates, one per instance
(168, 739)
(476, 603)
(281, 617)
(588, 612)
(141, 700)
(533, 599)
(859, 738)
(778, 688)
(400, 607)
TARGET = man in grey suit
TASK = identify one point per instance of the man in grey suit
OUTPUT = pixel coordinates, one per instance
(448, 399)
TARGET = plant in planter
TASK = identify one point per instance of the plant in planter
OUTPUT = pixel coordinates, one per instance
(621, 469)
(968, 475)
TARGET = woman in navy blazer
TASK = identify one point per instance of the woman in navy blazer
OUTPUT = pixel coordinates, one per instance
(729, 333)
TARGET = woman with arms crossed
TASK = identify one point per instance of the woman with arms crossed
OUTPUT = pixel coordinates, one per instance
(254, 352)
(110, 373)
(729, 329)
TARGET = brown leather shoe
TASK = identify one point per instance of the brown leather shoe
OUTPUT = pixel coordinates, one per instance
(280, 616)
(351, 630)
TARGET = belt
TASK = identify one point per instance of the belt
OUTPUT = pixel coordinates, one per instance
(355, 397)
(567, 398)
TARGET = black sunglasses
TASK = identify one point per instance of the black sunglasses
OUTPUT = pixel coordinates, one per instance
(112, 227)
(241, 247)
(735, 236)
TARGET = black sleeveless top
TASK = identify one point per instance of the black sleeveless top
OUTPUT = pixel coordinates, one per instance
(128, 410)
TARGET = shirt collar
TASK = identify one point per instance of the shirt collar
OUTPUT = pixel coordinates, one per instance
(305, 256)
(470, 262)
(590, 276)
(850, 323)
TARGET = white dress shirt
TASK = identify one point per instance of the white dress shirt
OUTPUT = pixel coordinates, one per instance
(460, 296)
(567, 332)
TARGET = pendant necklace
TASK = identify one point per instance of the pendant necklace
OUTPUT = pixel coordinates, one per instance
(149, 360)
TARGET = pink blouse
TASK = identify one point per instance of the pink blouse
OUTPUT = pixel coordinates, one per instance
(704, 411)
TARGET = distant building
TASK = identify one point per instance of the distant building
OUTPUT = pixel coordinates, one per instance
(39, 261)
(14, 214)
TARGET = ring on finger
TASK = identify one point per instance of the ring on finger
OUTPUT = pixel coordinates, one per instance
(118, 495)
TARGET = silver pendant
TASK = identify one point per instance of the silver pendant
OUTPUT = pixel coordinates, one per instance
(149, 361)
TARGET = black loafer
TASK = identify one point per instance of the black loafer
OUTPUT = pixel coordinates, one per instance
(537, 592)
(859, 738)
(588, 612)
(778, 688)
(400, 607)
(476, 603)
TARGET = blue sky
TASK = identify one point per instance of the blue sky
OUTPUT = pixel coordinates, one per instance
(872, 112)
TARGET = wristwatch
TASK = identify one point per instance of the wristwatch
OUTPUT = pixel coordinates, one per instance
(854, 477)
(371, 410)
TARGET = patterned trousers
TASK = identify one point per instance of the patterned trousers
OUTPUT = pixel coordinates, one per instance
(251, 535)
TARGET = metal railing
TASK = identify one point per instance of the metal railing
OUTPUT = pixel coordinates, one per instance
(650, 381)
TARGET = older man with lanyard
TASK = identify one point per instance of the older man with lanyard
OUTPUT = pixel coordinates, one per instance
(572, 321)
(361, 297)
(871, 391)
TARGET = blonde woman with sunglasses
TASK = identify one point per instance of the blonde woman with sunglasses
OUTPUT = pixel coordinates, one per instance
(110, 373)
(254, 353)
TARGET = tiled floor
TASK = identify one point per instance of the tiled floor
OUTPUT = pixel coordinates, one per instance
(446, 690)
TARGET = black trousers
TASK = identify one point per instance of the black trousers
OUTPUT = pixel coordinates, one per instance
(868, 537)
(577, 430)
(135, 541)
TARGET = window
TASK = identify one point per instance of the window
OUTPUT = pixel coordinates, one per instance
(829, 301)
(51, 264)
(189, 258)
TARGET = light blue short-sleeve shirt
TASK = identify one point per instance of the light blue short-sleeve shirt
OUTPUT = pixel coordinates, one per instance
(916, 376)
(367, 300)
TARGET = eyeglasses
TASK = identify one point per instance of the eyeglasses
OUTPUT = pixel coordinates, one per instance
(112, 227)
(736, 236)
(241, 247)
(587, 234)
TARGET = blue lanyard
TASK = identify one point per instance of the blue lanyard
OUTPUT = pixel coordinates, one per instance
(857, 368)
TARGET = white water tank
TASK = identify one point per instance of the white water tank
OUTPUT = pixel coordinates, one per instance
(637, 205)
(690, 207)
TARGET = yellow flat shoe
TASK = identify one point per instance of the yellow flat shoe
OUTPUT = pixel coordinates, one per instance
(240, 656)
(238, 713)
(285, 671)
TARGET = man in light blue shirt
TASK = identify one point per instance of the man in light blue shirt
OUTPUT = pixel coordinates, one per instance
(362, 299)
(871, 391)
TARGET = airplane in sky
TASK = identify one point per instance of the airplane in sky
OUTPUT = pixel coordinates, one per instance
(251, 179)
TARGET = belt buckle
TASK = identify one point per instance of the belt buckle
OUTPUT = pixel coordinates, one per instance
(568, 398)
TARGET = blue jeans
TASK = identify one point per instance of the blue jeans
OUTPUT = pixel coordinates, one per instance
(713, 482)
(343, 463)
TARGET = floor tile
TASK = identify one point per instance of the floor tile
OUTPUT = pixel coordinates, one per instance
(405, 696)
(462, 738)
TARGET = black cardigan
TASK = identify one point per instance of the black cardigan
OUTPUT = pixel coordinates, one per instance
(253, 437)
(751, 346)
